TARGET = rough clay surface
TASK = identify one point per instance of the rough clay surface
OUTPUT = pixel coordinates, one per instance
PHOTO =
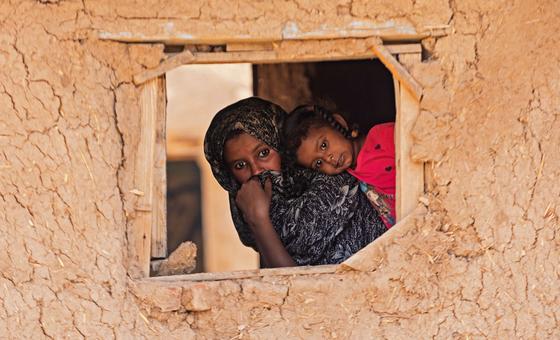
(181, 261)
(482, 261)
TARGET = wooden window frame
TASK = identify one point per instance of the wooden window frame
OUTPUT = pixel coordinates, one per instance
(147, 229)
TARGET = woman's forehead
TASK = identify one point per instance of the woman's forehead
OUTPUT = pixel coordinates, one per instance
(241, 145)
(243, 139)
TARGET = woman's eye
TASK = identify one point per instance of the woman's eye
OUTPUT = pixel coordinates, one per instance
(239, 165)
(318, 163)
(324, 145)
(263, 153)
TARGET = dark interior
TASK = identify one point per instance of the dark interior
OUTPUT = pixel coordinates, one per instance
(362, 90)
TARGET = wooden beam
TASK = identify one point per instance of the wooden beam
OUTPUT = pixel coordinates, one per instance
(404, 48)
(398, 70)
(141, 226)
(185, 57)
(236, 47)
(222, 39)
(159, 216)
(191, 33)
(282, 53)
(410, 174)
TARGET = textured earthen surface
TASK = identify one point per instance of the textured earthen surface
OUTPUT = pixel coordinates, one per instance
(481, 260)
(181, 261)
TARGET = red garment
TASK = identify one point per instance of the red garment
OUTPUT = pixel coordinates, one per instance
(375, 166)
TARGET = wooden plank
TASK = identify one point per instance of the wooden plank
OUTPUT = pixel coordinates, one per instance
(140, 235)
(428, 175)
(404, 48)
(159, 216)
(236, 47)
(183, 58)
(269, 46)
(245, 274)
(398, 155)
(410, 174)
(398, 70)
(278, 55)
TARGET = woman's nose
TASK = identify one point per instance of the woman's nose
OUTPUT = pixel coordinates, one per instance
(256, 169)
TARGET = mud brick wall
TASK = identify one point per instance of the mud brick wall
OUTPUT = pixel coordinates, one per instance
(480, 259)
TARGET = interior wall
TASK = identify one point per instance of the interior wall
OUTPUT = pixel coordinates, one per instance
(361, 90)
(184, 207)
(284, 84)
(479, 260)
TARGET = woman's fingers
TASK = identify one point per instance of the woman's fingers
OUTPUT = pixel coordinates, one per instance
(254, 201)
(268, 188)
(250, 185)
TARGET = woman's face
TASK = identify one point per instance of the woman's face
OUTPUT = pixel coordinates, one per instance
(246, 156)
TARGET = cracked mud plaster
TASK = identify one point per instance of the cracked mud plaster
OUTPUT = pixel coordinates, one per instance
(275, 19)
(62, 217)
(480, 260)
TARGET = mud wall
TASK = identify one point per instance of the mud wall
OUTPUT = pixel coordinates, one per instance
(480, 259)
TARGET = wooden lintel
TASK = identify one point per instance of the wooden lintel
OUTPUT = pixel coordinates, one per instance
(264, 57)
(185, 39)
(182, 35)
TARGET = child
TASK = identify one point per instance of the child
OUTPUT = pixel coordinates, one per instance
(318, 139)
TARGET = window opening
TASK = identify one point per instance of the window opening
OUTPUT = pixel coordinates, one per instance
(363, 89)
(184, 211)
(195, 93)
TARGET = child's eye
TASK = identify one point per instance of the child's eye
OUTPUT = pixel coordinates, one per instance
(318, 164)
(263, 153)
(239, 165)
(324, 145)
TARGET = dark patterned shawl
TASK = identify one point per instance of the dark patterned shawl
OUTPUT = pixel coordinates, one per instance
(320, 219)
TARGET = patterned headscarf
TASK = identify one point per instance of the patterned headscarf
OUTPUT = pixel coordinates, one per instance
(320, 219)
(255, 116)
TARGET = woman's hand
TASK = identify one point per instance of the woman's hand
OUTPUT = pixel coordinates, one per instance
(254, 201)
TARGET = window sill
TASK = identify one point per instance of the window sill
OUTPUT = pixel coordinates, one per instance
(199, 292)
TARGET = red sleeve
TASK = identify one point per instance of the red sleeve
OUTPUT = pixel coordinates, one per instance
(376, 160)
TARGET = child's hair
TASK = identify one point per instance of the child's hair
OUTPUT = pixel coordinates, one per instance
(233, 134)
(301, 120)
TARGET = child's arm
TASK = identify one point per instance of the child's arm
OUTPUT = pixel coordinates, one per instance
(254, 203)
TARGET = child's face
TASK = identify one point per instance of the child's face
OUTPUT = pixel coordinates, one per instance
(325, 150)
(247, 156)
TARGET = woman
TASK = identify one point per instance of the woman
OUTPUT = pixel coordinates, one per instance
(293, 216)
